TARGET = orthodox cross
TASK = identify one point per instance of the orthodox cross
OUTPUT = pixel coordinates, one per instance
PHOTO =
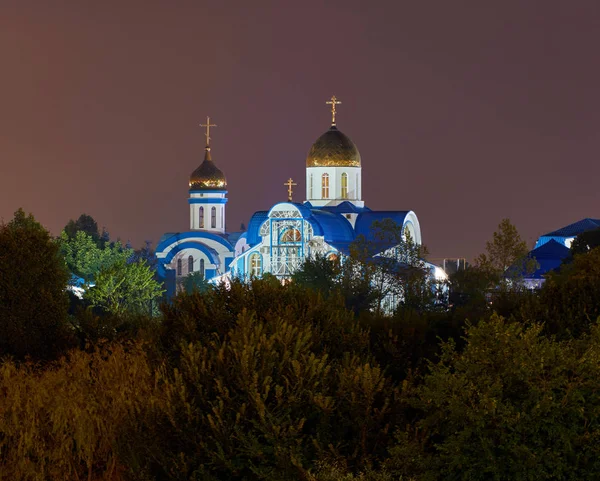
(333, 102)
(289, 185)
(208, 125)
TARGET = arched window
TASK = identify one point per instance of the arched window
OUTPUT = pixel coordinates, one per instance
(201, 218)
(190, 264)
(202, 268)
(213, 218)
(290, 235)
(310, 191)
(179, 266)
(325, 186)
(344, 185)
(255, 262)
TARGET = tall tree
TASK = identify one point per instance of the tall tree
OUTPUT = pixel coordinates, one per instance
(394, 266)
(84, 223)
(33, 301)
(86, 259)
(506, 262)
(505, 248)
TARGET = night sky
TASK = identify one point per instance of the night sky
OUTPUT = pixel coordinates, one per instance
(465, 112)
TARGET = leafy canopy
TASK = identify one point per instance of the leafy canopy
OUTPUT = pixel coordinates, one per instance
(125, 287)
(86, 259)
(33, 301)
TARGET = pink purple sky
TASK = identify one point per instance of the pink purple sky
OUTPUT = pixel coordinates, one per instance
(465, 112)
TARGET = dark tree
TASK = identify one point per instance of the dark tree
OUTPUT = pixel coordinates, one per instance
(33, 299)
(585, 242)
(84, 223)
(145, 254)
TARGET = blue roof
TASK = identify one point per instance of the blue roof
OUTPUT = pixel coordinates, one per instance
(170, 238)
(365, 220)
(233, 237)
(345, 207)
(549, 256)
(333, 227)
(331, 223)
(256, 221)
(576, 228)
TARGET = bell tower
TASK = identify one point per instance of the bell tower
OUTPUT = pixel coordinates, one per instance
(208, 192)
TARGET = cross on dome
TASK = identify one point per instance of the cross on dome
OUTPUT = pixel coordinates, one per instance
(333, 102)
(208, 125)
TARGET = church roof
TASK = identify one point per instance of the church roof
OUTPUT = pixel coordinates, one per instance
(576, 228)
(256, 221)
(345, 207)
(333, 149)
(549, 257)
(364, 221)
(208, 176)
(192, 236)
(333, 227)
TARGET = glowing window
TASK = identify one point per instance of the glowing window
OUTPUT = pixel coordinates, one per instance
(344, 185)
(325, 186)
(213, 218)
(178, 267)
(255, 264)
(190, 264)
(291, 235)
(201, 217)
(332, 257)
(202, 268)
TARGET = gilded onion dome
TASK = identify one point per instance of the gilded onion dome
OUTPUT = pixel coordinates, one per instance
(208, 176)
(333, 149)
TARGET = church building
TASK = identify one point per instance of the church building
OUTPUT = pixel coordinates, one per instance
(206, 248)
(280, 238)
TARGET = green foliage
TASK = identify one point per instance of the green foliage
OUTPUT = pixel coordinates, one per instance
(505, 261)
(369, 279)
(468, 289)
(396, 276)
(33, 301)
(333, 278)
(308, 380)
(84, 223)
(505, 248)
(569, 301)
(319, 273)
(74, 419)
(266, 398)
(195, 282)
(201, 317)
(86, 259)
(512, 405)
(125, 287)
(585, 242)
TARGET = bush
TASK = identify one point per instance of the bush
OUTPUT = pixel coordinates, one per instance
(74, 419)
(512, 405)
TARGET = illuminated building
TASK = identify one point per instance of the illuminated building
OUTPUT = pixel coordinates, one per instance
(279, 239)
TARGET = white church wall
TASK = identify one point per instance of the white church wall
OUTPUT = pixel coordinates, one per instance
(315, 196)
(197, 257)
(207, 201)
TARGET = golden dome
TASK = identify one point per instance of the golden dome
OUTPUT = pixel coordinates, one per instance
(333, 149)
(207, 176)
